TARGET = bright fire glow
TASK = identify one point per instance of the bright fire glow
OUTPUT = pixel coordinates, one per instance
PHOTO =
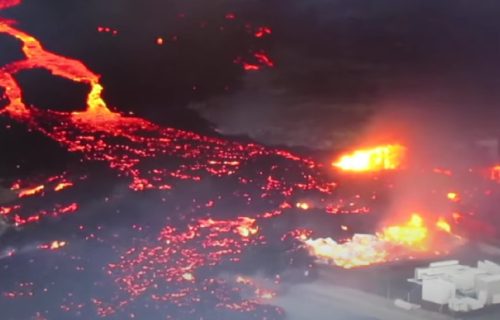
(453, 196)
(361, 250)
(384, 157)
(31, 191)
(412, 234)
(367, 249)
(495, 173)
(303, 205)
(443, 225)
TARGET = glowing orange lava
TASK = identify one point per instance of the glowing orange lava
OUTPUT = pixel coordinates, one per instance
(31, 191)
(37, 57)
(384, 157)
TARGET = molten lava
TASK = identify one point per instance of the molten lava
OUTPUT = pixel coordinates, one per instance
(384, 157)
(176, 267)
(37, 57)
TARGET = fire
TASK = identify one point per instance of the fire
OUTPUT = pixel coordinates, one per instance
(247, 227)
(384, 157)
(367, 249)
(495, 173)
(412, 234)
(54, 245)
(361, 250)
(443, 225)
(453, 196)
(303, 205)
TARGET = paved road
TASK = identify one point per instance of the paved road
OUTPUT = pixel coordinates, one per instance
(322, 301)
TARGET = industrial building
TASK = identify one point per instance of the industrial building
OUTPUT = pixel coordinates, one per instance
(459, 287)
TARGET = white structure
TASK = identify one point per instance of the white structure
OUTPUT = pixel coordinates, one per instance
(462, 288)
(405, 305)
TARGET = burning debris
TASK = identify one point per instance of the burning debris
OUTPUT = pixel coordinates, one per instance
(393, 243)
(361, 250)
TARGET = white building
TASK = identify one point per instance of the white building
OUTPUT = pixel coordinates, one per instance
(462, 288)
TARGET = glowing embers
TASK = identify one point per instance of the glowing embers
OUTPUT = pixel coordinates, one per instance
(177, 268)
(262, 31)
(415, 234)
(442, 224)
(243, 225)
(260, 60)
(393, 243)
(384, 157)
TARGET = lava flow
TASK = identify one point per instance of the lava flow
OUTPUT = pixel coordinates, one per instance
(178, 267)
(160, 222)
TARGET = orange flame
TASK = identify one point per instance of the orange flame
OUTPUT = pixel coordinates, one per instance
(303, 205)
(495, 173)
(443, 225)
(367, 249)
(412, 234)
(384, 157)
(247, 227)
(453, 196)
